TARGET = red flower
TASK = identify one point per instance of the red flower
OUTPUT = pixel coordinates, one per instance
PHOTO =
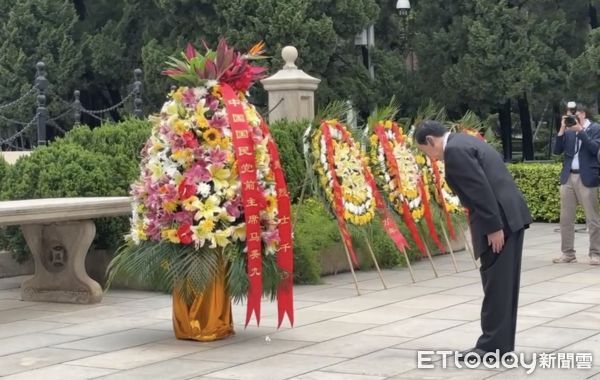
(185, 233)
(190, 140)
(186, 190)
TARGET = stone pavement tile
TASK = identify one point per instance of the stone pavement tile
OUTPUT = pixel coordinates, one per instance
(382, 315)
(276, 367)
(61, 307)
(42, 357)
(591, 344)
(26, 342)
(590, 277)
(248, 350)
(26, 327)
(322, 375)
(351, 346)
(151, 302)
(590, 296)
(327, 295)
(474, 289)
(10, 294)
(301, 289)
(302, 317)
(117, 341)
(168, 370)
(449, 282)
(321, 331)
(413, 327)
(386, 363)
(61, 372)
(92, 314)
(553, 288)
(529, 298)
(552, 337)
(401, 293)
(525, 322)
(580, 320)
(595, 377)
(132, 294)
(544, 374)
(551, 309)
(457, 338)
(105, 326)
(8, 304)
(158, 313)
(436, 301)
(352, 305)
(462, 312)
(139, 356)
(19, 314)
(450, 373)
(163, 324)
(12, 282)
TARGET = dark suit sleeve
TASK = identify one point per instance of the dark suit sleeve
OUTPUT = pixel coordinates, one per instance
(559, 146)
(590, 139)
(467, 174)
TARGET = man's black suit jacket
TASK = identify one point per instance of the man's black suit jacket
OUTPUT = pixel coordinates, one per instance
(480, 179)
(589, 167)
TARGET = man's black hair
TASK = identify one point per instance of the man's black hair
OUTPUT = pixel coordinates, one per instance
(429, 128)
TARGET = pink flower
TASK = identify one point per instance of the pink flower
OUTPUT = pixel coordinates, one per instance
(270, 237)
(234, 208)
(189, 98)
(217, 157)
(183, 217)
(199, 172)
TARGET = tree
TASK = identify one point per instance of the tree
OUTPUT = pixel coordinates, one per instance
(37, 30)
(585, 71)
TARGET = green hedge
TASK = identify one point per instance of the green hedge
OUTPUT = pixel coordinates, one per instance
(288, 136)
(98, 162)
(540, 185)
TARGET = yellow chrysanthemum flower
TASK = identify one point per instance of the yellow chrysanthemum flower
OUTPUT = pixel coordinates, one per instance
(171, 235)
(212, 136)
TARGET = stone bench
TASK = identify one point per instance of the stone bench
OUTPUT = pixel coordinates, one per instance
(59, 233)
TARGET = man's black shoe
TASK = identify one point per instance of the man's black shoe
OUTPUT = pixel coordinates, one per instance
(473, 354)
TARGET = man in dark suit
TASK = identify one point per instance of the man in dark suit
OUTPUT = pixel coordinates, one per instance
(579, 140)
(498, 216)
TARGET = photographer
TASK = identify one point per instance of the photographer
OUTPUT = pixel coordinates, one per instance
(579, 140)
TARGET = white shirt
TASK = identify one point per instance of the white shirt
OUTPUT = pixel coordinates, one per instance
(446, 135)
(575, 163)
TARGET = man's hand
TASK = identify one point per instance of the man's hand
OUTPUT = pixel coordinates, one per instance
(496, 241)
(577, 127)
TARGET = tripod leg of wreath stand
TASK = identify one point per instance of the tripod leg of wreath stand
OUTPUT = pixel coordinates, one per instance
(351, 265)
(431, 260)
(375, 261)
(468, 245)
(450, 248)
(412, 275)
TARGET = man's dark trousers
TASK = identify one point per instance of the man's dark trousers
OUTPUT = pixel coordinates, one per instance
(500, 276)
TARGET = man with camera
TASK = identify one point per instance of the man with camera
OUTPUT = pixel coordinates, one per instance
(579, 140)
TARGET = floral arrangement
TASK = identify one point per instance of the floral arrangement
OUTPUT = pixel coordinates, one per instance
(211, 190)
(347, 182)
(396, 169)
(344, 164)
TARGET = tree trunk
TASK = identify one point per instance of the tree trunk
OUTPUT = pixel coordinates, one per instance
(526, 127)
(593, 16)
(505, 120)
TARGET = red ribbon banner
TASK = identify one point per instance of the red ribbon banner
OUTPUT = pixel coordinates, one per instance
(438, 186)
(285, 253)
(252, 198)
(406, 214)
(338, 201)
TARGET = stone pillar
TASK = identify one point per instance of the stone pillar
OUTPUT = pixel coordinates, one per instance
(291, 90)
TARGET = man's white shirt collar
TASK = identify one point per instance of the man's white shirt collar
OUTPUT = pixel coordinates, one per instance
(446, 135)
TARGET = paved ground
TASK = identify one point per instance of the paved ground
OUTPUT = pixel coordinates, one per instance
(338, 335)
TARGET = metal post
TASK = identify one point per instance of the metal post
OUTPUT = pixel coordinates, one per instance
(42, 112)
(137, 93)
(77, 107)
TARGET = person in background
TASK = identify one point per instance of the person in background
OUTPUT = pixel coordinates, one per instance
(578, 140)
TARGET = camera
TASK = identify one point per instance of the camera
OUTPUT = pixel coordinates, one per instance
(570, 120)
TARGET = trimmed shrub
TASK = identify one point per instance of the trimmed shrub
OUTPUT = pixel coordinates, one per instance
(540, 185)
(98, 162)
(288, 136)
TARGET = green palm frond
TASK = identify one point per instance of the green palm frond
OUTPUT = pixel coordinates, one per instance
(337, 109)
(168, 266)
(387, 112)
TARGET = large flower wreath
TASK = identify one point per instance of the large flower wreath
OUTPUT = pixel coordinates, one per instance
(396, 170)
(347, 181)
(211, 191)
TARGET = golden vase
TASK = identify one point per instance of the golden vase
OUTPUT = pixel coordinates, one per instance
(208, 318)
